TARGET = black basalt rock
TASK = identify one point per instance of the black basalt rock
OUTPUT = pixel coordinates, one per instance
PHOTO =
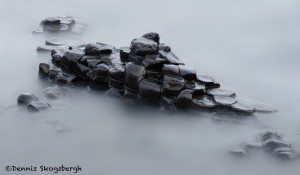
(134, 73)
(143, 46)
(152, 36)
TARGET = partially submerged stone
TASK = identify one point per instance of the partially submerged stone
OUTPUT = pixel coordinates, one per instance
(26, 98)
(36, 106)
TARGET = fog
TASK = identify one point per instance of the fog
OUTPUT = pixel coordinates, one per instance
(251, 47)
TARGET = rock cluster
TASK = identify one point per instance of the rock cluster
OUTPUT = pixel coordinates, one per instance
(271, 142)
(147, 70)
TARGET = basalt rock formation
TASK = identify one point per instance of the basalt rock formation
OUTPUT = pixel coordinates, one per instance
(148, 71)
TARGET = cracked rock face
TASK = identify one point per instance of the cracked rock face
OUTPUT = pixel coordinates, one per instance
(146, 71)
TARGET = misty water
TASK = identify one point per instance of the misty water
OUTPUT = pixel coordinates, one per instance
(251, 47)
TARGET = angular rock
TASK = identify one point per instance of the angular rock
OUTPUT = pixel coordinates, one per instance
(99, 74)
(170, 69)
(187, 72)
(152, 36)
(170, 57)
(98, 49)
(70, 59)
(149, 90)
(209, 81)
(184, 99)
(124, 53)
(172, 85)
(132, 57)
(57, 55)
(143, 46)
(133, 74)
(44, 69)
(153, 61)
(63, 78)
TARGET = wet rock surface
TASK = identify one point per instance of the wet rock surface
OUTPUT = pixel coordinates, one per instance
(147, 71)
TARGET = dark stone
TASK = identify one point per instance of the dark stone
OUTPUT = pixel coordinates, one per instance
(80, 70)
(149, 90)
(124, 54)
(152, 36)
(115, 77)
(170, 69)
(133, 74)
(98, 49)
(184, 99)
(99, 74)
(53, 72)
(26, 98)
(153, 61)
(154, 74)
(70, 59)
(170, 57)
(57, 56)
(187, 72)
(44, 69)
(132, 57)
(36, 106)
(208, 81)
(92, 63)
(172, 85)
(116, 73)
(164, 47)
(143, 46)
(64, 78)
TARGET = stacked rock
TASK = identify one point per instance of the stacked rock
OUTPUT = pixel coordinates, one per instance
(60, 24)
(147, 70)
(271, 142)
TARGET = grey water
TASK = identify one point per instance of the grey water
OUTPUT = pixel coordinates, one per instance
(251, 47)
